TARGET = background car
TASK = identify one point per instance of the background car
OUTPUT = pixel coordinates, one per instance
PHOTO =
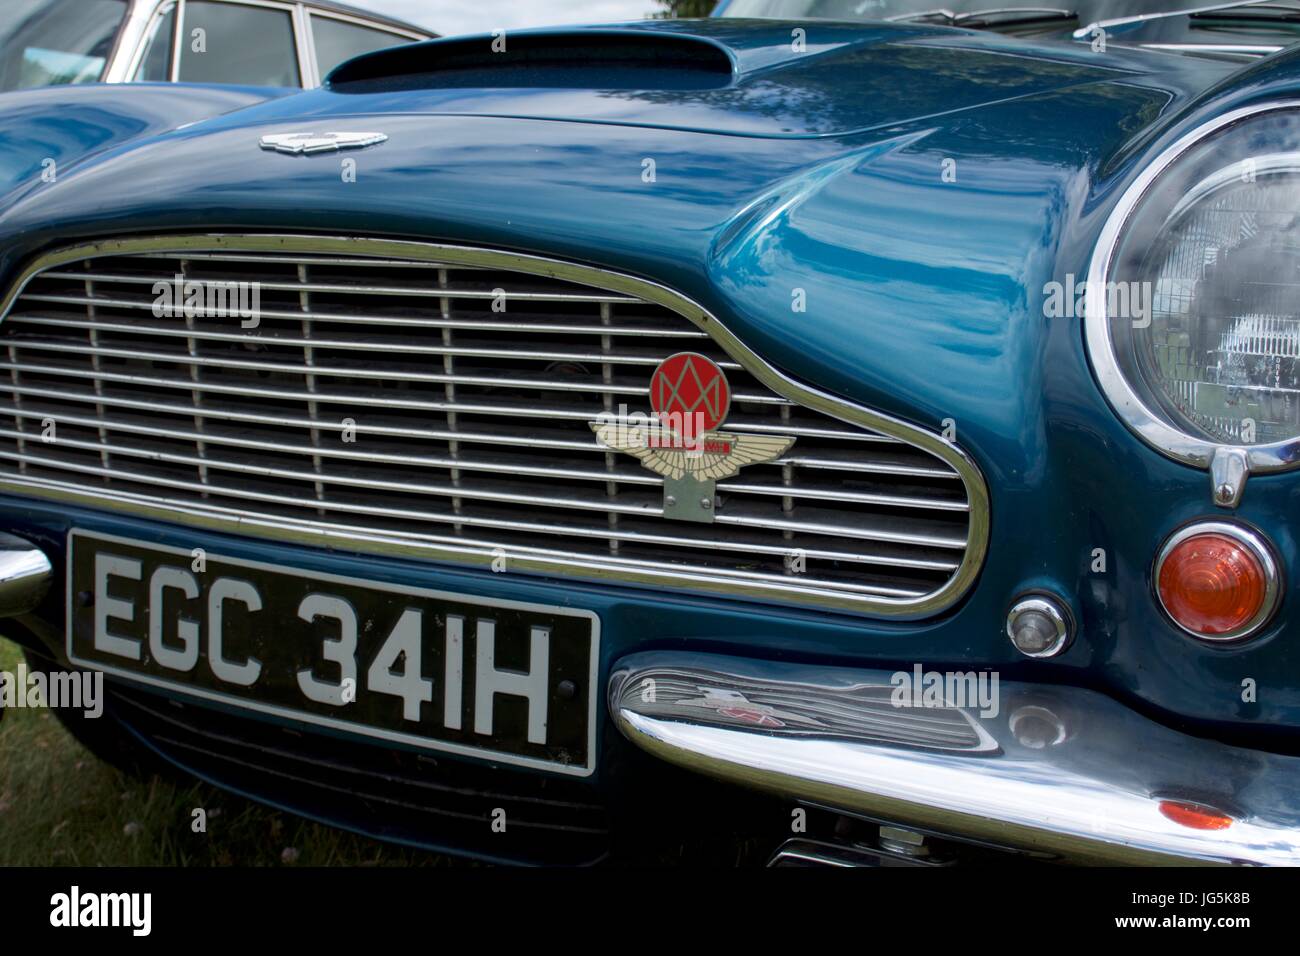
(244, 42)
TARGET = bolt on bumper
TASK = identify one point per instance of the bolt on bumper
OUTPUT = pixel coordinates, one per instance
(1058, 771)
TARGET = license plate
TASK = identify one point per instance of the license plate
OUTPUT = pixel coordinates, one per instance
(505, 680)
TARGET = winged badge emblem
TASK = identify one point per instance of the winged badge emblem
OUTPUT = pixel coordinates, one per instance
(690, 397)
(721, 456)
(299, 143)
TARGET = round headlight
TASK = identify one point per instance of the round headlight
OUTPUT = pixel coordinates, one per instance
(1193, 299)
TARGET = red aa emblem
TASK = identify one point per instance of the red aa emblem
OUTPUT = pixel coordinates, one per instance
(690, 393)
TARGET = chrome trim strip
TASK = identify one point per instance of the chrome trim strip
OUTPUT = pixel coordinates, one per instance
(321, 534)
(1146, 424)
(304, 46)
(1252, 540)
(1244, 49)
(178, 42)
(354, 289)
(1055, 783)
(129, 47)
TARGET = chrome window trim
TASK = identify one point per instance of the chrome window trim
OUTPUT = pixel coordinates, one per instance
(1123, 398)
(1253, 50)
(178, 42)
(136, 60)
(321, 534)
(1253, 541)
(126, 39)
(305, 46)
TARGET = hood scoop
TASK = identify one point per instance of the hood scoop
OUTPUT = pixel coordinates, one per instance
(585, 60)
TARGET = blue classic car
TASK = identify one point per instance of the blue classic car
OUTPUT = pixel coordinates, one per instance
(869, 437)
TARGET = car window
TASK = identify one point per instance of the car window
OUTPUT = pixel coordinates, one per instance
(233, 43)
(156, 65)
(337, 40)
(48, 42)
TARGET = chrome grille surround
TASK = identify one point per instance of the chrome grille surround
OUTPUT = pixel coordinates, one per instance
(892, 520)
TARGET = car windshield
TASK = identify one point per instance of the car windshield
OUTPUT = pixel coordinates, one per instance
(48, 42)
(956, 11)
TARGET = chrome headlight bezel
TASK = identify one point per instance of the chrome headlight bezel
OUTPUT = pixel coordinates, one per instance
(1230, 462)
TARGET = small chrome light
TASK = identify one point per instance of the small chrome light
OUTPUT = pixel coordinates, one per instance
(1039, 626)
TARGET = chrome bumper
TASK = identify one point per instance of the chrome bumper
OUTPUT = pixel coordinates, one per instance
(25, 574)
(1059, 771)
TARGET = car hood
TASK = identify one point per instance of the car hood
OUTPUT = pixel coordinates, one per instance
(757, 78)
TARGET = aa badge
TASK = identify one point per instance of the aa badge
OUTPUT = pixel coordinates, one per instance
(690, 397)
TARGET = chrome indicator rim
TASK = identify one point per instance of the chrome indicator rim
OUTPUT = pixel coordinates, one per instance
(1253, 542)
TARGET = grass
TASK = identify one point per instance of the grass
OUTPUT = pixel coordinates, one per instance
(59, 805)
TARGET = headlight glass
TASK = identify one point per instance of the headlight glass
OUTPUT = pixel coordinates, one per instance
(1204, 288)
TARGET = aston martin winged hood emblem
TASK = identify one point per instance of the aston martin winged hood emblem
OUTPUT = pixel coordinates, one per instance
(690, 397)
(319, 142)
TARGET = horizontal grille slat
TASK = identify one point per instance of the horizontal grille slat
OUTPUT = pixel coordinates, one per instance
(880, 529)
(445, 405)
(534, 410)
(185, 358)
(626, 474)
(541, 324)
(286, 341)
(296, 287)
(858, 554)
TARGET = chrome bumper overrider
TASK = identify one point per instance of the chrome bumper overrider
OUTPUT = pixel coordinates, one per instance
(1053, 770)
(24, 575)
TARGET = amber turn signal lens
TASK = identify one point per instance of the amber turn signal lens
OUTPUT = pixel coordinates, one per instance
(1194, 816)
(1213, 584)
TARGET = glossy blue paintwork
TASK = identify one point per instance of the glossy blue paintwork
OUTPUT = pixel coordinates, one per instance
(72, 124)
(820, 172)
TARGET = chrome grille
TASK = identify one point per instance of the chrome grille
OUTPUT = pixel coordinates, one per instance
(426, 399)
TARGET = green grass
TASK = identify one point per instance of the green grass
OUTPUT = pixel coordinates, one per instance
(59, 805)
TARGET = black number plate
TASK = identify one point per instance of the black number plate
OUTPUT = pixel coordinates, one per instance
(505, 680)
